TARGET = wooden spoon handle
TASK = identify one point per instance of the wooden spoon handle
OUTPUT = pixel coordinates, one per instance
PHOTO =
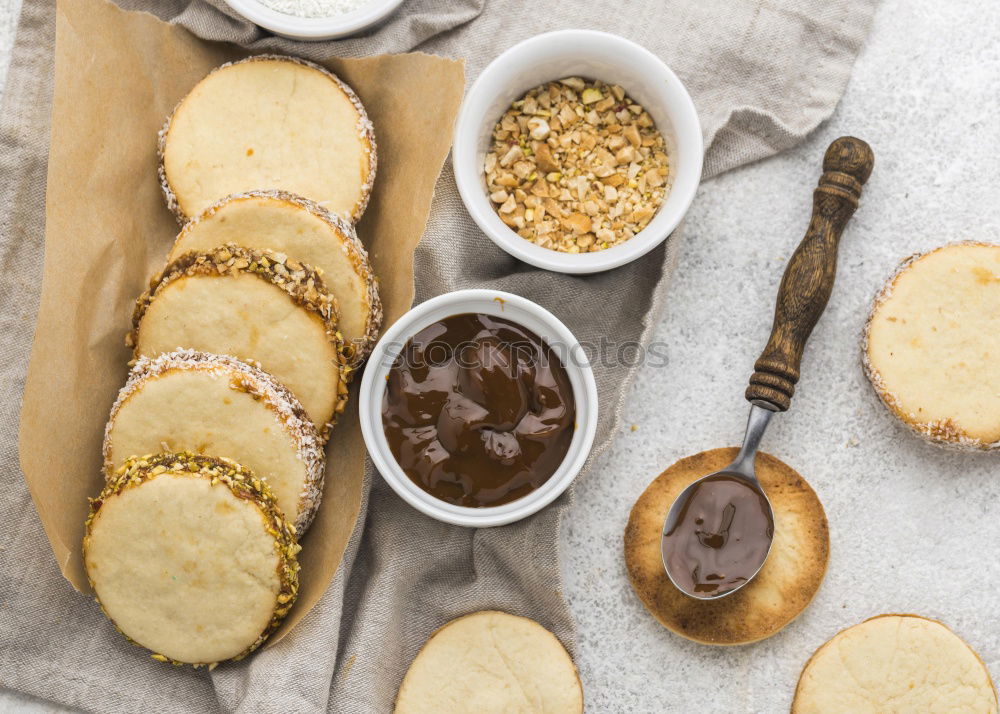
(808, 280)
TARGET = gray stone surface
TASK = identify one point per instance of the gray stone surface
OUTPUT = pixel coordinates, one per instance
(911, 525)
(902, 513)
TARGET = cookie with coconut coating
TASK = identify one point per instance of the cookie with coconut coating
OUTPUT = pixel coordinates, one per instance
(931, 342)
(246, 303)
(268, 122)
(306, 233)
(190, 557)
(217, 405)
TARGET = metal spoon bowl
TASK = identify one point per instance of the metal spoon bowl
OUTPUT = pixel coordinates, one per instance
(742, 467)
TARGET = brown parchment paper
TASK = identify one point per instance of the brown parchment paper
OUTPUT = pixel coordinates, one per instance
(117, 76)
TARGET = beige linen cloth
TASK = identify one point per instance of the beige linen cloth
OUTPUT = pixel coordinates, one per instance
(763, 73)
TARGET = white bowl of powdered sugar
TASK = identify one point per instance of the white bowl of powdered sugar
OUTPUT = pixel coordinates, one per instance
(314, 19)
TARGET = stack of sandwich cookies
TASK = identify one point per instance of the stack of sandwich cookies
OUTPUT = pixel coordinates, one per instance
(268, 121)
(307, 234)
(217, 405)
(244, 346)
(247, 303)
(191, 557)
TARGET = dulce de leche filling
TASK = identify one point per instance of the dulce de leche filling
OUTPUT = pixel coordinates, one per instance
(478, 410)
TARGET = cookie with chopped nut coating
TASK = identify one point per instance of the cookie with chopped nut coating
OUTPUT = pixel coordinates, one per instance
(220, 406)
(190, 557)
(306, 233)
(268, 122)
(246, 303)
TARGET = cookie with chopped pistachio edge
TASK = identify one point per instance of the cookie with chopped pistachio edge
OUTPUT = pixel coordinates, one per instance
(190, 557)
(246, 303)
(268, 121)
(306, 233)
(220, 406)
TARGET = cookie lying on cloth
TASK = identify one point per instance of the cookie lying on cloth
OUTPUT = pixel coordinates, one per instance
(306, 233)
(894, 664)
(931, 346)
(190, 557)
(491, 662)
(247, 303)
(217, 405)
(268, 122)
(783, 588)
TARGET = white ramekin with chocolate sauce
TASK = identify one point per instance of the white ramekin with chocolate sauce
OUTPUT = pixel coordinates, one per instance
(478, 407)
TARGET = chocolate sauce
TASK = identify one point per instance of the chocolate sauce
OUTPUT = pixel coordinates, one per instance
(720, 537)
(478, 410)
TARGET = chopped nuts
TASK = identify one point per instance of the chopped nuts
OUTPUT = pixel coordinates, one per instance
(538, 128)
(631, 134)
(511, 156)
(625, 155)
(577, 166)
(578, 223)
(544, 159)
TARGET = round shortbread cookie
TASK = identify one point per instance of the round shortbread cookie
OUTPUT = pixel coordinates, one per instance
(244, 302)
(219, 406)
(490, 662)
(190, 557)
(783, 588)
(931, 346)
(895, 664)
(306, 233)
(268, 122)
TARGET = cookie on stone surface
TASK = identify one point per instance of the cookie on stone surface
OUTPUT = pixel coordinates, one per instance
(305, 233)
(931, 346)
(491, 662)
(895, 664)
(248, 304)
(218, 406)
(190, 557)
(268, 122)
(783, 588)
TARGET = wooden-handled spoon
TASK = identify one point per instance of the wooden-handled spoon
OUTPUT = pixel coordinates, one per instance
(802, 297)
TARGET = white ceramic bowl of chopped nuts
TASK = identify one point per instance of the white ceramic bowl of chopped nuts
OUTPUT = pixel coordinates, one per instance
(576, 178)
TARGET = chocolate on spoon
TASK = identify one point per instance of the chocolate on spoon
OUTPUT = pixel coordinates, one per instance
(719, 531)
